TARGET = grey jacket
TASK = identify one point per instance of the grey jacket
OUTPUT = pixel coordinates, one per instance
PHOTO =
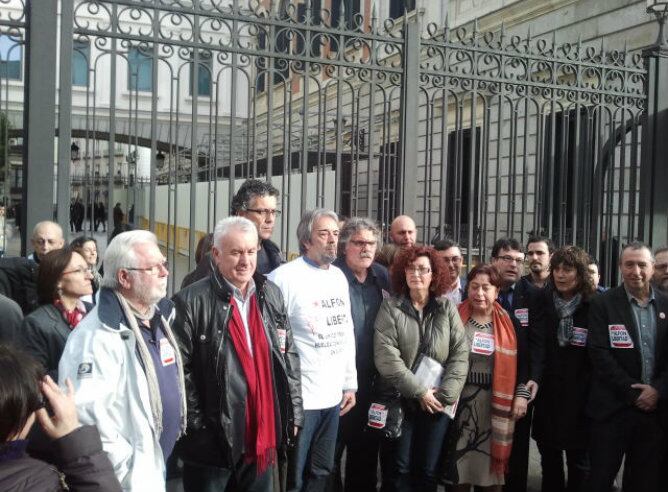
(398, 332)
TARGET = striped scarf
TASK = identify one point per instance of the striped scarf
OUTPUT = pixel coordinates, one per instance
(504, 380)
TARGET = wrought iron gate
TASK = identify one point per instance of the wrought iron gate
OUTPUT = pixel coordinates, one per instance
(477, 135)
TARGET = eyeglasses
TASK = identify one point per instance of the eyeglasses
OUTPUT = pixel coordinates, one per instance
(265, 212)
(81, 270)
(510, 259)
(153, 270)
(419, 271)
(361, 244)
(452, 259)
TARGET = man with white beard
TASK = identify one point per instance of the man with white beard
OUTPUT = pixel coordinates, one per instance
(125, 365)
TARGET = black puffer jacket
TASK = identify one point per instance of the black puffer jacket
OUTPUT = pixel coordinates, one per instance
(214, 378)
(80, 459)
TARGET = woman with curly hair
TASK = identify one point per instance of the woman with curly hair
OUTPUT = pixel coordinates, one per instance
(414, 329)
(563, 372)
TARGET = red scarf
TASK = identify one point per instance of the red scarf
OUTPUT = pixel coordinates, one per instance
(72, 317)
(504, 380)
(260, 438)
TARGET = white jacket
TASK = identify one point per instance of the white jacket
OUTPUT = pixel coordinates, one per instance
(112, 393)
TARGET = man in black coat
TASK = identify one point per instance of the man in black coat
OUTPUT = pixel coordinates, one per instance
(628, 350)
(516, 297)
(236, 434)
(257, 201)
(369, 284)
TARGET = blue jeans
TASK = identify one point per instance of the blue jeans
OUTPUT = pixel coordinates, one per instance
(315, 449)
(202, 478)
(410, 462)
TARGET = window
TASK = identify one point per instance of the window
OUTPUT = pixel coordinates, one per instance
(352, 7)
(11, 53)
(204, 71)
(461, 168)
(140, 70)
(80, 59)
(558, 172)
(261, 63)
(316, 21)
(397, 7)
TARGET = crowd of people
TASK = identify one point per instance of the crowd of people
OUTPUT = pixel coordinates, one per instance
(261, 374)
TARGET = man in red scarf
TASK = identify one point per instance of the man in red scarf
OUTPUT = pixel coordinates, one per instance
(241, 369)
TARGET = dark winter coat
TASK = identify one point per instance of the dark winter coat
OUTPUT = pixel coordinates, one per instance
(559, 417)
(213, 373)
(43, 335)
(80, 459)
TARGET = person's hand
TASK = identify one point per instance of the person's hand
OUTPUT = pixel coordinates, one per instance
(519, 407)
(648, 398)
(347, 402)
(64, 418)
(532, 386)
(295, 431)
(429, 403)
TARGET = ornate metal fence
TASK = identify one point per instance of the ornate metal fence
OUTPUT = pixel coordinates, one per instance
(475, 134)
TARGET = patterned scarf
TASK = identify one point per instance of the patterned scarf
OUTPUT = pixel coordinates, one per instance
(504, 380)
(565, 310)
(260, 434)
(74, 316)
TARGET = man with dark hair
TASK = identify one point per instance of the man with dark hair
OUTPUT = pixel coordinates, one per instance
(256, 200)
(452, 256)
(539, 251)
(660, 277)
(628, 348)
(516, 295)
(594, 273)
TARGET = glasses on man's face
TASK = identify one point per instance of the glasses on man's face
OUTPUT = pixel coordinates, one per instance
(265, 212)
(80, 270)
(419, 271)
(152, 270)
(452, 259)
(511, 259)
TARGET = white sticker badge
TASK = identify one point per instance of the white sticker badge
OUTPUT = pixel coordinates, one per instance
(377, 416)
(483, 343)
(619, 337)
(167, 354)
(579, 337)
(282, 337)
(522, 316)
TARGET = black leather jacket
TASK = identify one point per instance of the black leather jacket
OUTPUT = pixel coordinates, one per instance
(215, 386)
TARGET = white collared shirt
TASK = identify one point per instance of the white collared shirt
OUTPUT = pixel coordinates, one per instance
(244, 307)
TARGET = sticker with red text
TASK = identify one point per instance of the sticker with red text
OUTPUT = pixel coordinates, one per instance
(167, 354)
(619, 337)
(579, 337)
(522, 316)
(377, 416)
(483, 343)
(282, 337)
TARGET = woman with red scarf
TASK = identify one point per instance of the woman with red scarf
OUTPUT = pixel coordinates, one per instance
(63, 277)
(482, 433)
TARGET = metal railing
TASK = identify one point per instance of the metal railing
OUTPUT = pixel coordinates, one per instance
(475, 134)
